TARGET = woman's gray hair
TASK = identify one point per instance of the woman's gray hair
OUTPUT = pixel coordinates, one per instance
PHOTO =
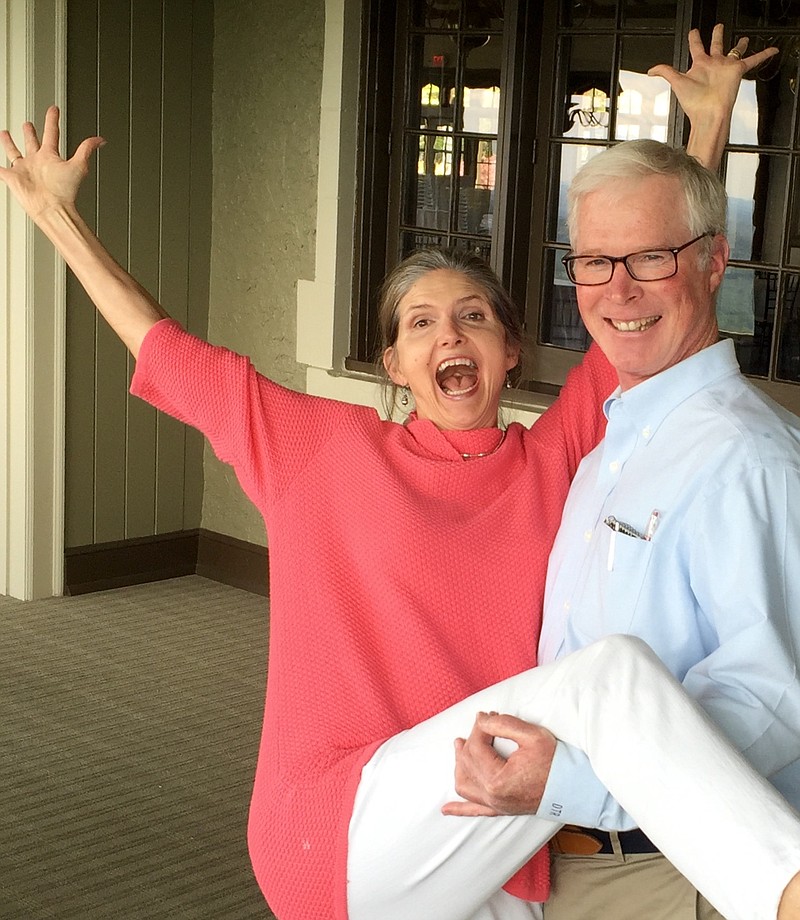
(405, 275)
(706, 200)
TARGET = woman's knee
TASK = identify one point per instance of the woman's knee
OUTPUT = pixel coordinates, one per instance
(619, 648)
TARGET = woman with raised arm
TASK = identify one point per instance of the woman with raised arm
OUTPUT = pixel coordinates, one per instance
(407, 570)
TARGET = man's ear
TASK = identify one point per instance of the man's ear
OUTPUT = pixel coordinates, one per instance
(718, 261)
(390, 364)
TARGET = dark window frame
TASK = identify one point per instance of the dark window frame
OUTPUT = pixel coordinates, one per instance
(527, 140)
(381, 133)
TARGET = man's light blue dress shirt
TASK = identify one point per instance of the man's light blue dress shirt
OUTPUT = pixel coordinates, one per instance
(713, 466)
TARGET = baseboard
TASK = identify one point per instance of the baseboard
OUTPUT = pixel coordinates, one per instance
(99, 567)
(233, 562)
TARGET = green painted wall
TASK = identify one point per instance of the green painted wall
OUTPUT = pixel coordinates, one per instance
(207, 191)
(140, 74)
(266, 115)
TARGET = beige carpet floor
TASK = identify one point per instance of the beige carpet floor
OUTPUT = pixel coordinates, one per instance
(129, 726)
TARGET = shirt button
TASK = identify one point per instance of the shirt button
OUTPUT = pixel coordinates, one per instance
(566, 605)
(587, 536)
(614, 466)
(646, 432)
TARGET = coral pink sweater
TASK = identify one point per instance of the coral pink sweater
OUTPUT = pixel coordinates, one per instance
(402, 579)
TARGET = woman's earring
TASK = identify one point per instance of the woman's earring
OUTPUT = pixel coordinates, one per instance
(404, 397)
(509, 384)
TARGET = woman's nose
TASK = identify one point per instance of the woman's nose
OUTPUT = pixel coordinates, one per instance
(450, 333)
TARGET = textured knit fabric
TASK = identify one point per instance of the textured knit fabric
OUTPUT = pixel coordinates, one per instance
(402, 579)
(715, 590)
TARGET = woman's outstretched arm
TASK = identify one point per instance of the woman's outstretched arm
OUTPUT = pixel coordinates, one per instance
(46, 185)
(707, 91)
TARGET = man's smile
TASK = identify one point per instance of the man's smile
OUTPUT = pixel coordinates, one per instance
(634, 325)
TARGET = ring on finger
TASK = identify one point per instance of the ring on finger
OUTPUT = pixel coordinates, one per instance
(14, 159)
(736, 53)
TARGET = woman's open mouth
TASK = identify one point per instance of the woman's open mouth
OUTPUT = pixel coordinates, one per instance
(457, 376)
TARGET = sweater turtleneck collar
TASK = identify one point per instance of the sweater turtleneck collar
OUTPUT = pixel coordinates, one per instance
(453, 444)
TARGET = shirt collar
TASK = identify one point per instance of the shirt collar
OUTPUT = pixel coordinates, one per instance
(651, 401)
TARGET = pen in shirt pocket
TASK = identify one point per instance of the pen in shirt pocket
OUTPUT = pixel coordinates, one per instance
(629, 531)
(652, 523)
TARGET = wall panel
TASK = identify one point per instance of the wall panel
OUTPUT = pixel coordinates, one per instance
(178, 451)
(111, 360)
(82, 69)
(135, 71)
(144, 243)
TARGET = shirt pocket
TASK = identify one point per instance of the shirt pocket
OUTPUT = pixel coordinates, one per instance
(620, 573)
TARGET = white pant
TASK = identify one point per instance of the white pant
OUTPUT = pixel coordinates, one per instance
(648, 742)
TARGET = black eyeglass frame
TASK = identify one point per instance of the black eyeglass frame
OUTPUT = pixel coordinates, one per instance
(568, 260)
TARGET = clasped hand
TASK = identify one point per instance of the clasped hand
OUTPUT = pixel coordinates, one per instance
(492, 784)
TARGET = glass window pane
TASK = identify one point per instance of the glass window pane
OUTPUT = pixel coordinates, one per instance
(643, 103)
(428, 181)
(585, 87)
(793, 229)
(561, 322)
(484, 250)
(756, 187)
(789, 346)
(638, 15)
(746, 314)
(482, 86)
(435, 14)
(735, 305)
(572, 157)
(765, 104)
(411, 242)
(767, 14)
(432, 80)
(578, 14)
(445, 14)
(484, 14)
(475, 188)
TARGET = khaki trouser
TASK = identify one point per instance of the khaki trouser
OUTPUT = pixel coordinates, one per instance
(642, 886)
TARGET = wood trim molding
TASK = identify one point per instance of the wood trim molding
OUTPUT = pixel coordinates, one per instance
(32, 319)
(102, 566)
(233, 562)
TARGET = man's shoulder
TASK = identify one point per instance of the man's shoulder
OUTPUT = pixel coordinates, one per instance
(737, 397)
(735, 409)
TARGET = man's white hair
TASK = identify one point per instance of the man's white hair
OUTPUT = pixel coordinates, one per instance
(705, 197)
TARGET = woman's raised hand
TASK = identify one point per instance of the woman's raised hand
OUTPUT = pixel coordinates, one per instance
(40, 178)
(46, 185)
(707, 91)
(712, 82)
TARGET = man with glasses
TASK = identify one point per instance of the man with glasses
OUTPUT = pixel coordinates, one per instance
(682, 528)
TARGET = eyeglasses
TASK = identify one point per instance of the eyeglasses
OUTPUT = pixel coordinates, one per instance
(647, 265)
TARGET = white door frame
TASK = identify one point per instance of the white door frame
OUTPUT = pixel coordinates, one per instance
(32, 323)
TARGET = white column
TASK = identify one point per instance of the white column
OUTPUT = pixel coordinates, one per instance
(32, 327)
(315, 314)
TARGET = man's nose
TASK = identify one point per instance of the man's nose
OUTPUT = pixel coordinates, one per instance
(621, 285)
